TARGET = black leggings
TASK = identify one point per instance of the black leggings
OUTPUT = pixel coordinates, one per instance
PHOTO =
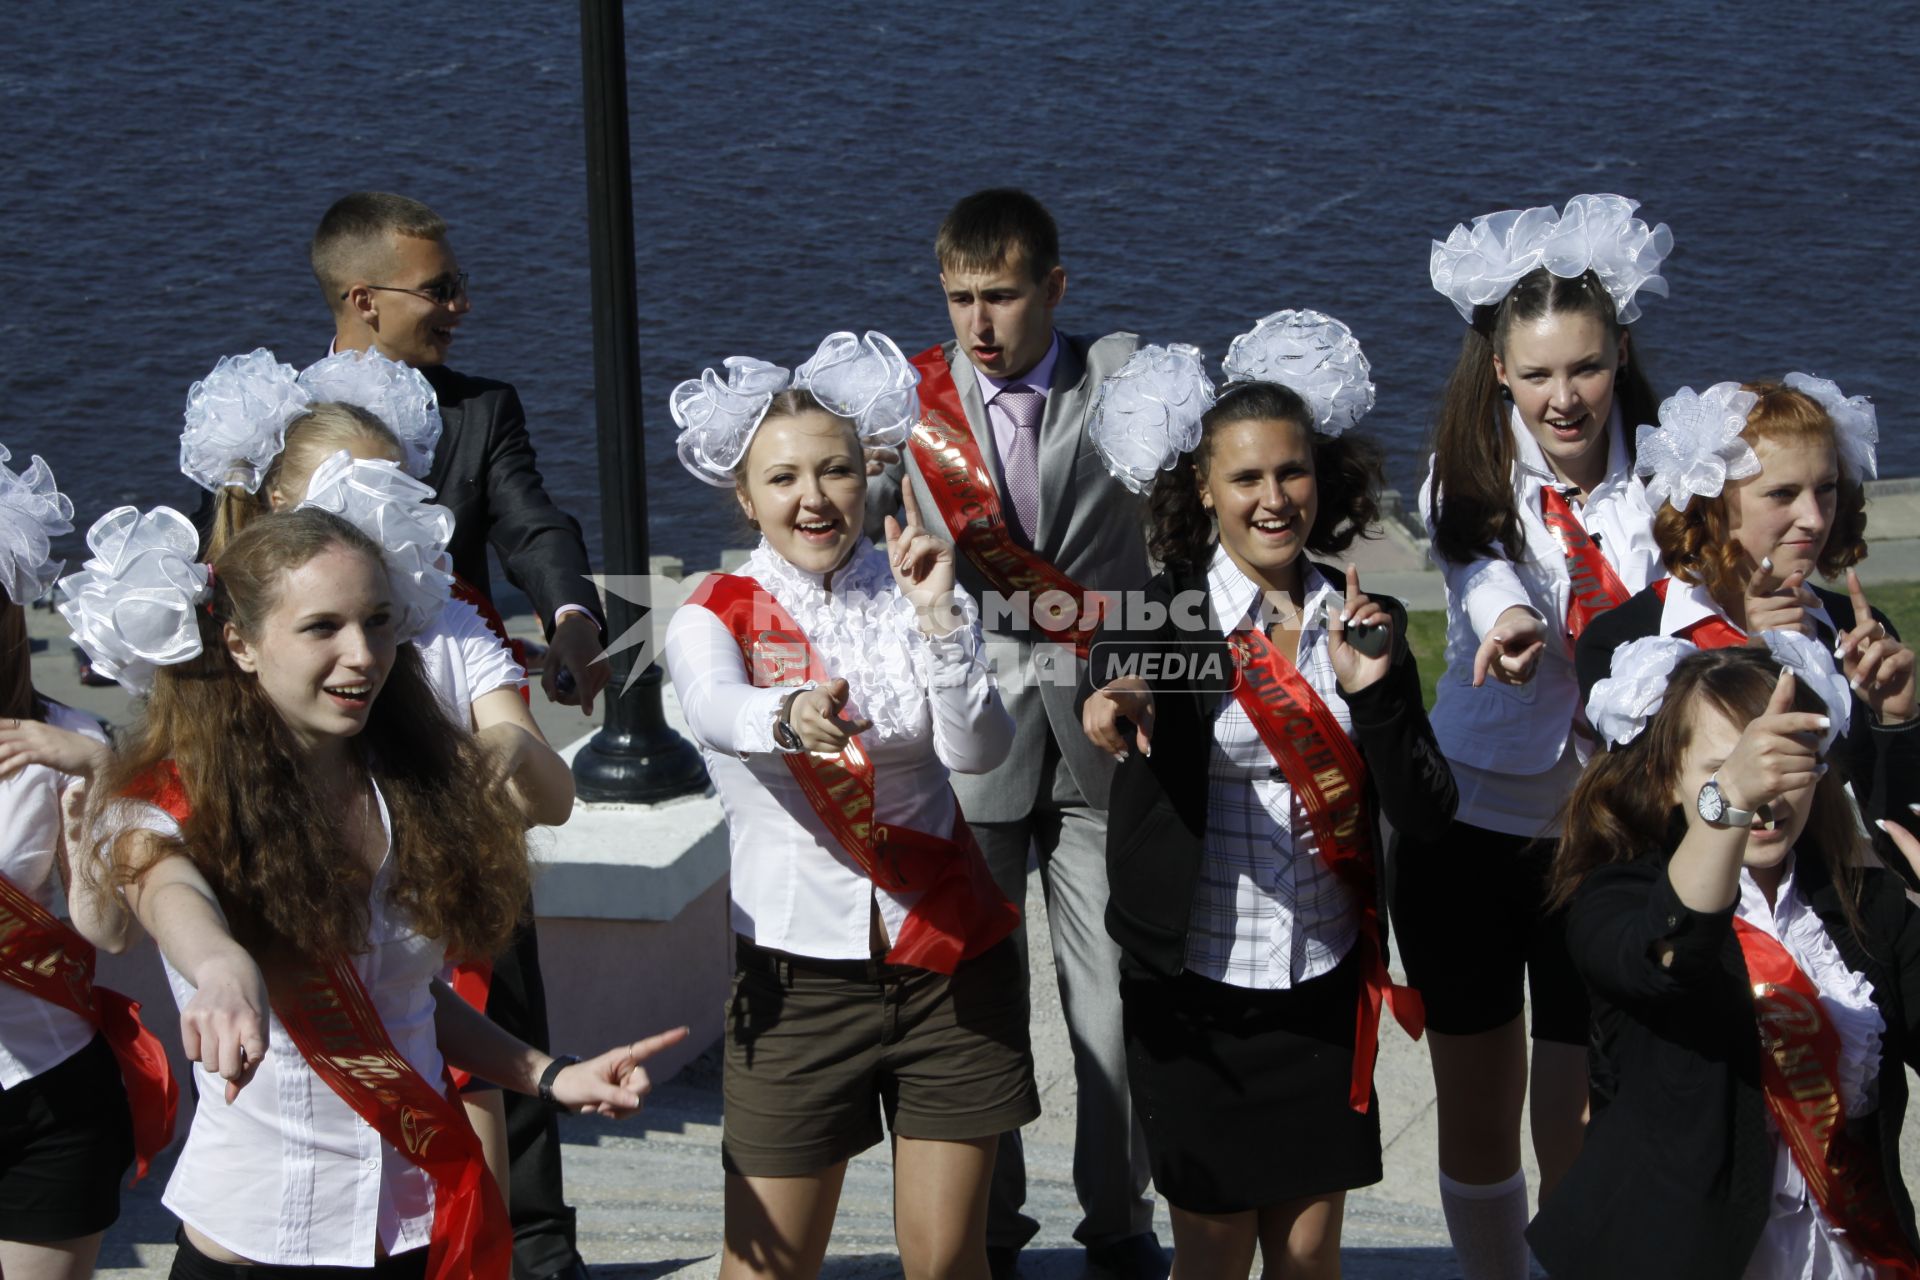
(191, 1264)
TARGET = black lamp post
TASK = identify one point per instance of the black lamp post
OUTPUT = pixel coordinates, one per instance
(635, 757)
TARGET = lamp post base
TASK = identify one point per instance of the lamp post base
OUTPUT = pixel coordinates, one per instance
(643, 763)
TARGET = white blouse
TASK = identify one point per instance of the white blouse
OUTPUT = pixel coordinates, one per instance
(1798, 1243)
(465, 660)
(1501, 739)
(289, 1174)
(1267, 914)
(36, 1036)
(1689, 602)
(933, 705)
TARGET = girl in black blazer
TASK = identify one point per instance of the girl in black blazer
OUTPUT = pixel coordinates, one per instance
(1266, 713)
(1721, 918)
(1758, 487)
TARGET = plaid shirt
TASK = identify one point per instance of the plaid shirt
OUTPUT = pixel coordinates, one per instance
(1266, 913)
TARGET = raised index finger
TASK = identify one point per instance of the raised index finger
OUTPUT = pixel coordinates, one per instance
(1762, 580)
(641, 1050)
(910, 504)
(1862, 611)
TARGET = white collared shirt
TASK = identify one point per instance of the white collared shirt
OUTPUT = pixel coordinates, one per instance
(464, 660)
(35, 1036)
(934, 707)
(1267, 914)
(288, 1174)
(1502, 738)
(1798, 1243)
(1689, 602)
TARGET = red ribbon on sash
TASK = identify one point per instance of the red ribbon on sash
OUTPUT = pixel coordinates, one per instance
(326, 1011)
(963, 490)
(1326, 772)
(43, 956)
(960, 912)
(1710, 632)
(1596, 587)
(1800, 1074)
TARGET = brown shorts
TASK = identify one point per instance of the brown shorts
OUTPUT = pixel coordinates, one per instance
(819, 1050)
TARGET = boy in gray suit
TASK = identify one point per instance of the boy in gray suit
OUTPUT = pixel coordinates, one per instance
(1009, 398)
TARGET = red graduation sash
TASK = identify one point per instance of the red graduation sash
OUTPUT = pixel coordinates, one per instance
(1710, 632)
(1596, 587)
(963, 491)
(43, 956)
(1328, 775)
(326, 1011)
(1800, 1074)
(960, 912)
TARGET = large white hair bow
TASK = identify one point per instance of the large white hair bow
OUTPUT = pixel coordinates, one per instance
(131, 605)
(395, 510)
(1313, 354)
(864, 379)
(397, 394)
(1856, 427)
(1814, 667)
(236, 421)
(1620, 706)
(1148, 413)
(1697, 448)
(1477, 264)
(33, 512)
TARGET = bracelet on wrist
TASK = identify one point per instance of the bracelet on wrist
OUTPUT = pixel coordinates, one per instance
(560, 1063)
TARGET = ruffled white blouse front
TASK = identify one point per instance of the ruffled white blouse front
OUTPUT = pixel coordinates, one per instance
(934, 708)
(1798, 1242)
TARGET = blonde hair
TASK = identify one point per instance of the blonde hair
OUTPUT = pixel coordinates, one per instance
(321, 431)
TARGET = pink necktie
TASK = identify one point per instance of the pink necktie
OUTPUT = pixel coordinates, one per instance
(1020, 456)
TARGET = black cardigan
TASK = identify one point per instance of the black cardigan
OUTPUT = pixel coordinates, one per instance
(1157, 810)
(1882, 764)
(1676, 1170)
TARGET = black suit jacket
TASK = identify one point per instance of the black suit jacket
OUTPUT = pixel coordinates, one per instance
(1157, 811)
(484, 472)
(1883, 765)
(1674, 1175)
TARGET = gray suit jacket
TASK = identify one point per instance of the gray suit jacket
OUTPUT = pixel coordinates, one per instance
(1091, 529)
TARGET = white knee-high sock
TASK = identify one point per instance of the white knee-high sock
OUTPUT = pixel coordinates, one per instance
(1487, 1223)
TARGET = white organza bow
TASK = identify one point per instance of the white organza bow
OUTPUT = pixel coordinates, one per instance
(1814, 667)
(1477, 264)
(1620, 706)
(1856, 427)
(397, 394)
(864, 379)
(1149, 412)
(131, 605)
(1315, 355)
(33, 512)
(1697, 448)
(397, 512)
(236, 420)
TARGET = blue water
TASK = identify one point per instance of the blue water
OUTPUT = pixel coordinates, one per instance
(1206, 163)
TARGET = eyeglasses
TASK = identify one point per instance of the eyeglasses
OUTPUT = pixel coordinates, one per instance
(443, 293)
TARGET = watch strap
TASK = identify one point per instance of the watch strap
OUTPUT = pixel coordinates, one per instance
(560, 1063)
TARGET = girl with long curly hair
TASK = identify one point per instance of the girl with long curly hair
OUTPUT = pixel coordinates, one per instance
(296, 811)
(1755, 988)
(1267, 715)
(1538, 524)
(1761, 486)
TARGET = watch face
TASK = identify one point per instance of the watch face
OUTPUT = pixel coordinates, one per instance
(1712, 805)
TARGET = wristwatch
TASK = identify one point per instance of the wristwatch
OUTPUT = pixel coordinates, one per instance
(1714, 806)
(552, 1073)
(784, 735)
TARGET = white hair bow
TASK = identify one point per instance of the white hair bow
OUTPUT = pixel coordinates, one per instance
(1478, 264)
(1697, 448)
(864, 379)
(131, 605)
(1148, 413)
(397, 394)
(1620, 706)
(396, 511)
(236, 420)
(1856, 427)
(1314, 355)
(33, 512)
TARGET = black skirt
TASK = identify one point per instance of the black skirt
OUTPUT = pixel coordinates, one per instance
(66, 1139)
(1243, 1093)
